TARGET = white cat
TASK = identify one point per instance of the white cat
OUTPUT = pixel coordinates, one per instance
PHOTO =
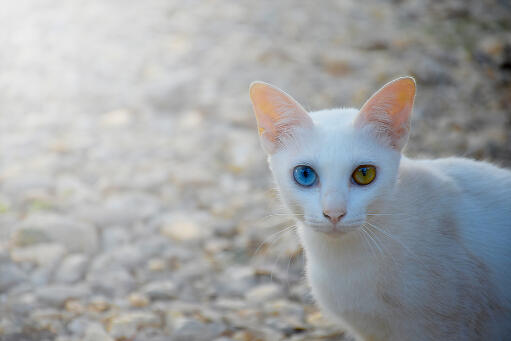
(396, 249)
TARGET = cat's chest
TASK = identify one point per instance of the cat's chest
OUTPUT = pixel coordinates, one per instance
(351, 297)
(346, 277)
(342, 287)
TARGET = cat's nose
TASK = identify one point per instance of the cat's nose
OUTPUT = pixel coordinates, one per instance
(334, 216)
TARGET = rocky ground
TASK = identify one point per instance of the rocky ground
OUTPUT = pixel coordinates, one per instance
(135, 202)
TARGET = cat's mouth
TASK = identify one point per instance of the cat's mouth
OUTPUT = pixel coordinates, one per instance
(338, 229)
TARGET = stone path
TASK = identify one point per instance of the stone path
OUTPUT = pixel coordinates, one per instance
(135, 202)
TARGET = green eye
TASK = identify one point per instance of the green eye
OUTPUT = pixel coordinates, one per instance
(364, 174)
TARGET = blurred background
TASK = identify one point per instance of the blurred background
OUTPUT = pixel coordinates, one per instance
(135, 201)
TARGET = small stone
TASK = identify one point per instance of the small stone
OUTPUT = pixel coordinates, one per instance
(263, 293)
(40, 254)
(122, 210)
(138, 300)
(78, 325)
(96, 332)
(217, 245)
(26, 237)
(161, 290)
(127, 324)
(7, 326)
(237, 280)
(230, 304)
(74, 306)
(74, 235)
(57, 295)
(182, 230)
(156, 264)
(284, 308)
(10, 275)
(113, 237)
(185, 329)
(492, 46)
(317, 319)
(112, 282)
(72, 268)
(41, 276)
(47, 319)
(247, 335)
(335, 67)
(99, 305)
(116, 118)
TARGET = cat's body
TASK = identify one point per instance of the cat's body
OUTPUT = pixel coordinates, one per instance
(432, 270)
(422, 252)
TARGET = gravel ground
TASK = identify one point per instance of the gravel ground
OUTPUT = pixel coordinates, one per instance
(135, 202)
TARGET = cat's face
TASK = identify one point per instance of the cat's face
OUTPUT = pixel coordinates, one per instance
(334, 167)
(332, 174)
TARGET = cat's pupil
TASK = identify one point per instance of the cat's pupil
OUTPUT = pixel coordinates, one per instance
(364, 171)
(304, 175)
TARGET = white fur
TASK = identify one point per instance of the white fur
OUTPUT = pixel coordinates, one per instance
(433, 264)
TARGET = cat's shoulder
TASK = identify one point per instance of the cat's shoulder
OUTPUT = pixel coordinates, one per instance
(465, 173)
(464, 167)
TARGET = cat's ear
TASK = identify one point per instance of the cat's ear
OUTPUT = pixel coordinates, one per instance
(278, 115)
(388, 112)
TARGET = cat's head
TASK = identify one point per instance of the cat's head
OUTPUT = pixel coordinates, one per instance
(334, 167)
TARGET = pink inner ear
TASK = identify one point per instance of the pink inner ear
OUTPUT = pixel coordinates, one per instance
(276, 112)
(389, 110)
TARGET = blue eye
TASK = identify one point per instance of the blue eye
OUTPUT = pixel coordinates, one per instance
(305, 175)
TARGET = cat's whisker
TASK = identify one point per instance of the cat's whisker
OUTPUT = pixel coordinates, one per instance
(287, 270)
(286, 215)
(388, 252)
(280, 255)
(273, 237)
(398, 242)
(390, 236)
(369, 243)
(371, 235)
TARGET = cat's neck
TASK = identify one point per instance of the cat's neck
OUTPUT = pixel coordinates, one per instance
(343, 249)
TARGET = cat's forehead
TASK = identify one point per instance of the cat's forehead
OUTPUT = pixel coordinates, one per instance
(334, 133)
(333, 141)
(338, 119)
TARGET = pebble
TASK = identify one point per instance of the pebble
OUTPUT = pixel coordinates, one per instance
(74, 235)
(138, 300)
(40, 254)
(161, 290)
(113, 237)
(124, 210)
(10, 275)
(78, 326)
(126, 325)
(156, 264)
(57, 295)
(72, 269)
(182, 230)
(27, 236)
(264, 293)
(185, 329)
(113, 282)
(96, 332)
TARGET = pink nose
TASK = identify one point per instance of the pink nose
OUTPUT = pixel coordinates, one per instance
(334, 216)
